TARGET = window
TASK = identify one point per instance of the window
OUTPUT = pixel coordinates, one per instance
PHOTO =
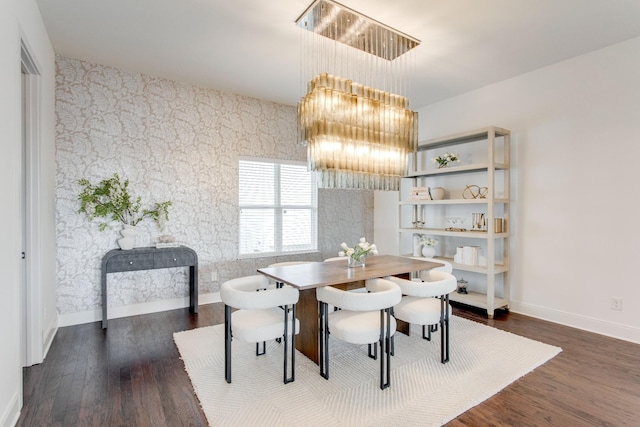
(278, 208)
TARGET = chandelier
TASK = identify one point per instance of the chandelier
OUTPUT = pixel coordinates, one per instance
(358, 132)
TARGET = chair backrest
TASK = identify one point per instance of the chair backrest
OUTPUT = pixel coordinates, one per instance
(247, 293)
(441, 283)
(384, 294)
(337, 258)
(447, 268)
(286, 263)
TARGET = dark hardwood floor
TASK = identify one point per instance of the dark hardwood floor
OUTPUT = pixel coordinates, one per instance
(132, 376)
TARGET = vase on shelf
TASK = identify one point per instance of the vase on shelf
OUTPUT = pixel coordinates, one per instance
(437, 193)
(353, 262)
(128, 240)
(428, 251)
(417, 246)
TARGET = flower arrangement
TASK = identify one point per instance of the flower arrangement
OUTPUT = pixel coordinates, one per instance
(443, 161)
(428, 241)
(110, 199)
(358, 253)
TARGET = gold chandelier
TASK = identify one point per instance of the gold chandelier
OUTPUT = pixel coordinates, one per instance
(358, 133)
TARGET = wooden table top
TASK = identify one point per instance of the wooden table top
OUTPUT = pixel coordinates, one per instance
(316, 274)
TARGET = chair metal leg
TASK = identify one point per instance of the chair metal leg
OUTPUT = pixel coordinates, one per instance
(287, 310)
(227, 343)
(444, 329)
(264, 348)
(393, 338)
(426, 332)
(323, 338)
(373, 354)
(385, 350)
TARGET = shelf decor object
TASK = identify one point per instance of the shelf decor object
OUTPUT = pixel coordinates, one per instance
(111, 201)
(358, 253)
(482, 248)
(444, 160)
(357, 128)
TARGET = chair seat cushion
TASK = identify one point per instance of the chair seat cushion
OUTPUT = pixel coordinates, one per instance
(259, 325)
(418, 310)
(357, 327)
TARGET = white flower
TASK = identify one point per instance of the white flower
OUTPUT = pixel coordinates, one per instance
(428, 241)
(445, 159)
(363, 248)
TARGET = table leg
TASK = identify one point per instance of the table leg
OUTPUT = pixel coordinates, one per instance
(193, 289)
(402, 327)
(307, 313)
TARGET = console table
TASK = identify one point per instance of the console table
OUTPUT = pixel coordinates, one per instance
(118, 260)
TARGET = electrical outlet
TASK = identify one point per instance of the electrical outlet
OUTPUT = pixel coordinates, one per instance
(616, 304)
(214, 276)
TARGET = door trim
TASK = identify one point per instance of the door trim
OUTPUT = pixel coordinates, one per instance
(32, 310)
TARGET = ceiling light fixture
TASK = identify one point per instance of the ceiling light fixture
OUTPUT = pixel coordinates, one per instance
(358, 132)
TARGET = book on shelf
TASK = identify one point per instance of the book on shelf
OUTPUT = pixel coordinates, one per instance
(419, 193)
(418, 197)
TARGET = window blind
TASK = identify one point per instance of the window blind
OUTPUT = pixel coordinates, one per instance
(278, 208)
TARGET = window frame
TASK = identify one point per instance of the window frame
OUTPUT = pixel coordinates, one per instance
(279, 208)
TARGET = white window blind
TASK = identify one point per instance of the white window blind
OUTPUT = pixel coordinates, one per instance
(278, 208)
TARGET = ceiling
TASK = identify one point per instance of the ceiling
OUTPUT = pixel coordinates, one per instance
(252, 47)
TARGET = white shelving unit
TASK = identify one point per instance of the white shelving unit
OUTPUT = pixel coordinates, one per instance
(485, 155)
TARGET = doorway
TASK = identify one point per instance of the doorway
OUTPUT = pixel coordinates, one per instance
(31, 319)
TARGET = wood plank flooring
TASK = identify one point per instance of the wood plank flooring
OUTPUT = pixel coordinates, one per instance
(132, 376)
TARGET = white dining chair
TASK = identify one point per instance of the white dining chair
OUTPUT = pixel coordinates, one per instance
(363, 318)
(426, 304)
(424, 275)
(261, 314)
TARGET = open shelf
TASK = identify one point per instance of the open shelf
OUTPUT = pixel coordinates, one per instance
(478, 300)
(441, 232)
(489, 152)
(450, 170)
(452, 202)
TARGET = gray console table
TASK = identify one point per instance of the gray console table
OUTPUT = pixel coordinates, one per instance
(151, 258)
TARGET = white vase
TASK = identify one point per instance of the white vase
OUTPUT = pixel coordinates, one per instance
(428, 251)
(126, 243)
(357, 262)
(437, 193)
(128, 240)
(416, 245)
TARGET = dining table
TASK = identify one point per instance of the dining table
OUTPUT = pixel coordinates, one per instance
(309, 276)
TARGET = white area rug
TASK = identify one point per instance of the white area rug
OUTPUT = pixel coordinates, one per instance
(423, 391)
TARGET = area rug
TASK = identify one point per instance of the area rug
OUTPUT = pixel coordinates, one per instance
(423, 391)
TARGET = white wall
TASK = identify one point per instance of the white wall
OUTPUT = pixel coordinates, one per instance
(576, 148)
(21, 20)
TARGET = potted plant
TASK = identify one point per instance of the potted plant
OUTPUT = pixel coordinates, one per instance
(358, 253)
(444, 160)
(110, 200)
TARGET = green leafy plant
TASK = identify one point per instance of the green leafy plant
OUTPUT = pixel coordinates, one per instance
(111, 200)
(443, 161)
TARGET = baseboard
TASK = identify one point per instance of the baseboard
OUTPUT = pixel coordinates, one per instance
(11, 413)
(598, 326)
(90, 316)
(50, 334)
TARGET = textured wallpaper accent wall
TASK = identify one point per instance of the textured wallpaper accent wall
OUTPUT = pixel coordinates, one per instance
(176, 142)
